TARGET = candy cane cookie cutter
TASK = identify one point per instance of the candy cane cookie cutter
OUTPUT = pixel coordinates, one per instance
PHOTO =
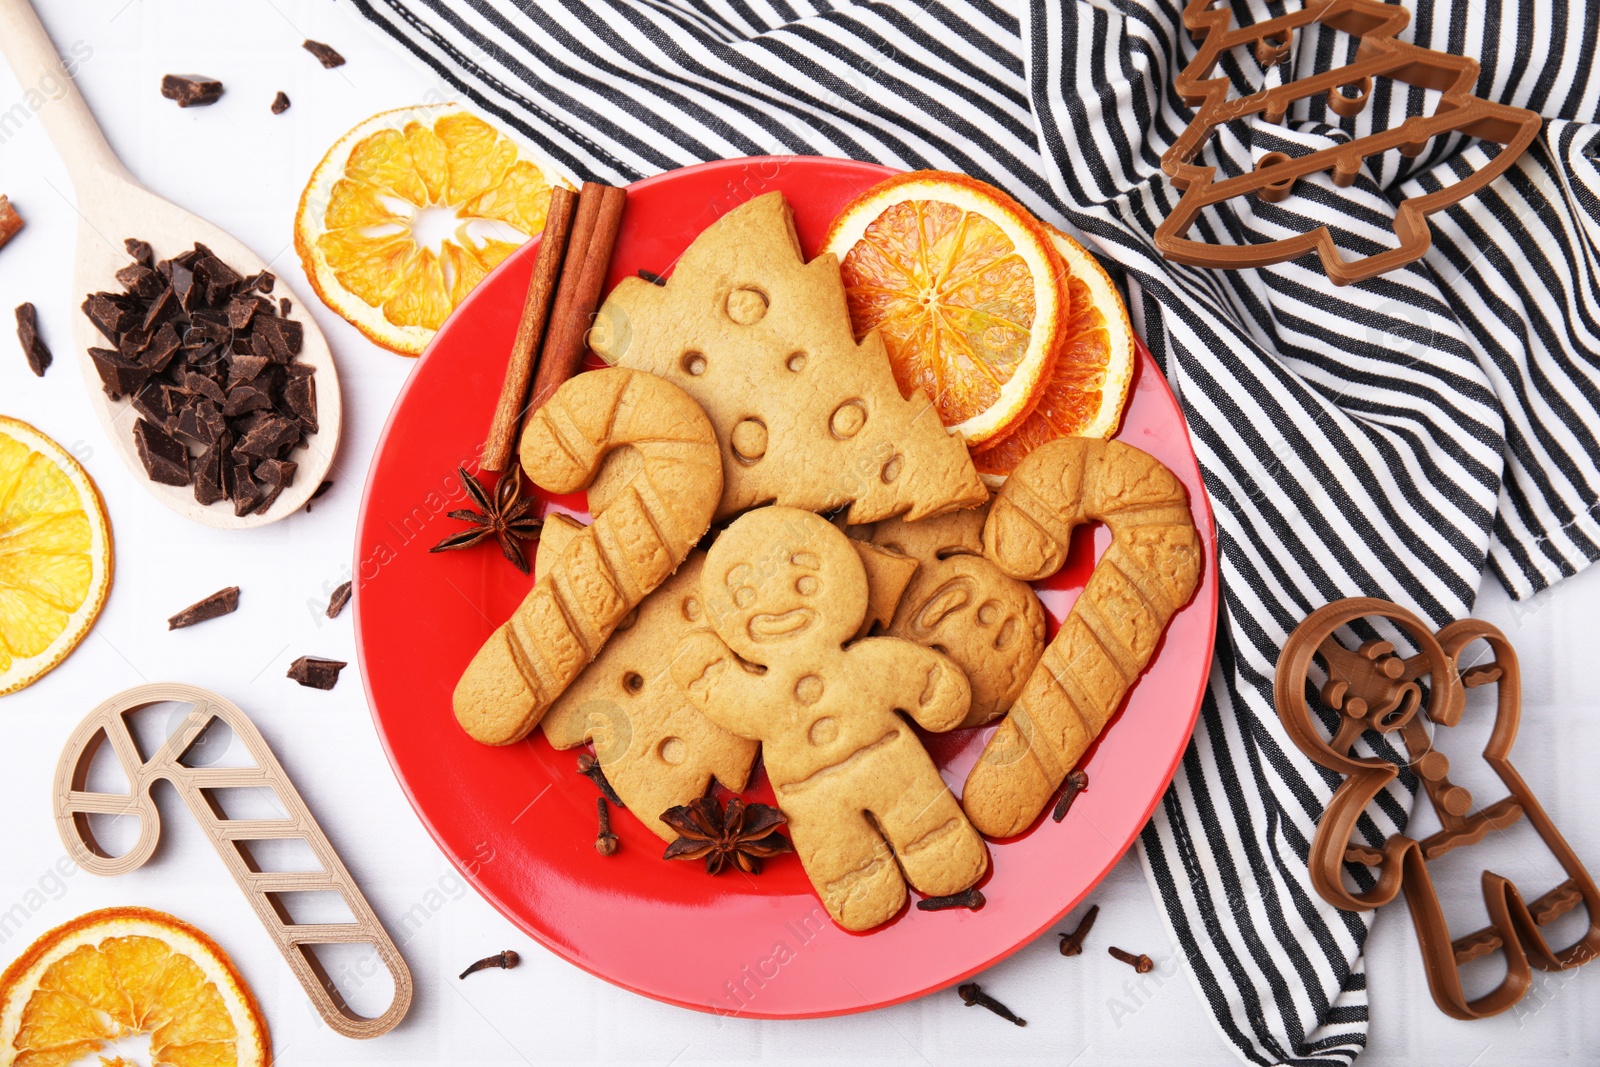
(1374, 688)
(74, 803)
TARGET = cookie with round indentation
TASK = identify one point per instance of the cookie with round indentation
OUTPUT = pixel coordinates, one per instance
(657, 750)
(785, 594)
(961, 604)
(805, 415)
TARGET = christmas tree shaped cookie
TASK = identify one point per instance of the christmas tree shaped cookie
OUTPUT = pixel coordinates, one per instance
(804, 415)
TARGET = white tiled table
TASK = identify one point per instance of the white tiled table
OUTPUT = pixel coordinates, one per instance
(240, 166)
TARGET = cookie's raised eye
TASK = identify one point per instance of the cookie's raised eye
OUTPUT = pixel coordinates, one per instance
(806, 585)
(694, 364)
(747, 306)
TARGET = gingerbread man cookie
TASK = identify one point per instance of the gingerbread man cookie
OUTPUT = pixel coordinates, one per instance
(960, 603)
(784, 592)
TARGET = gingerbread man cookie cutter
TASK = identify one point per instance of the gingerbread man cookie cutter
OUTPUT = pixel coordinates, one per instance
(74, 802)
(1380, 55)
(1373, 688)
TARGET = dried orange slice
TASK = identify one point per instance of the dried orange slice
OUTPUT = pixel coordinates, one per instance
(1094, 364)
(409, 211)
(120, 974)
(55, 554)
(963, 285)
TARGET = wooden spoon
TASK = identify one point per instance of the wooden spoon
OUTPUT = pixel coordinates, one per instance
(112, 206)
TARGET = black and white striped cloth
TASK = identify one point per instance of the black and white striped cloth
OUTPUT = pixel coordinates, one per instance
(1392, 438)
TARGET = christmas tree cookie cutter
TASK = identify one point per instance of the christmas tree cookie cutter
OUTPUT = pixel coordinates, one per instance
(198, 786)
(1373, 688)
(1348, 90)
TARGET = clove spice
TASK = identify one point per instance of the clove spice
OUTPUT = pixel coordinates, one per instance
(651, 276)
(590, 768)
(1072, 944)
(504, 960)
(968, 898)
(606, 843)
(973, 996)
(1077, 782)
(1141, 963)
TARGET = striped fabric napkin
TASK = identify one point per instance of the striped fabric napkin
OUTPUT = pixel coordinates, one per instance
(1394, 438)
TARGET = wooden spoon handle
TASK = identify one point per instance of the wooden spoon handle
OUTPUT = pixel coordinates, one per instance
(46, 76)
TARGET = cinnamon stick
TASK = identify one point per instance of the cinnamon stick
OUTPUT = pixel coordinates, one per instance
(586, 267)
(503, 431)
(10, 221)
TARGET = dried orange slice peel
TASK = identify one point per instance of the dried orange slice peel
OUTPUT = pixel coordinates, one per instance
(120, 974)
(55, 554)
(1088, 387)
(964, 286)
(409, 211)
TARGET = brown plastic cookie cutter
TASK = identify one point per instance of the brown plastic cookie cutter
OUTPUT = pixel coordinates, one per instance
(198, 786)
(1348, 89)
(1373, 688)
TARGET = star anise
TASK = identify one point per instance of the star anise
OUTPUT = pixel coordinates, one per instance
(744, 835)
(505, 517)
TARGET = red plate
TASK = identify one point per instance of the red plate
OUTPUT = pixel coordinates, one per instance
(519, 822)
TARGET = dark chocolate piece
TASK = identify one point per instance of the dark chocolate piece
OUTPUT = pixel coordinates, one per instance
(120, 376)
(246, 398)
(244, 368)
(165, 459)
(141, 281)
(154, 402)
(242, 489)
(336, 603)
(324, 53)
(315, 673)
(268, 435)
(274, 476)
(191, 90)
(209, 477)
(163, 346)
(300, 396)
(201, 385)
(285, 306)
(222, 602)
(28, 333)
(111, 314)
(280, 103)
(141, 252)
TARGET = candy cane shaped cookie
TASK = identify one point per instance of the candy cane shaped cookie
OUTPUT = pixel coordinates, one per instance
(1150, 571)
(655, 503)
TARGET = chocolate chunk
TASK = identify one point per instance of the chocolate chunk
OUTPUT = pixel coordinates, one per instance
(244, 368)
(285, 306)
(182, 278)
(120, 376)
(336, 603)
(134, 343)
(209, 476)
(162, 308)
(141, 252)
(246, 398)
(314, 673)
(201, 385)
(28, 333)
(221, 280)
(242, 489)
(324, 53)
(222, 602)
(268, 436)
(300, 397)
(260, 283)
(274, 476)
(111, 314)
(241, 309)
(154, 402)
(284, 336)
(191, 90)
(200, 423)
(165, 459)
(141, 281)
(163, 346)
(280, 103)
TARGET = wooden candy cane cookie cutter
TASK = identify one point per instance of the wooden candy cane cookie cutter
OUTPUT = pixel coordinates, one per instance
(1379, 55)
(230, 837)
(1373, 688)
